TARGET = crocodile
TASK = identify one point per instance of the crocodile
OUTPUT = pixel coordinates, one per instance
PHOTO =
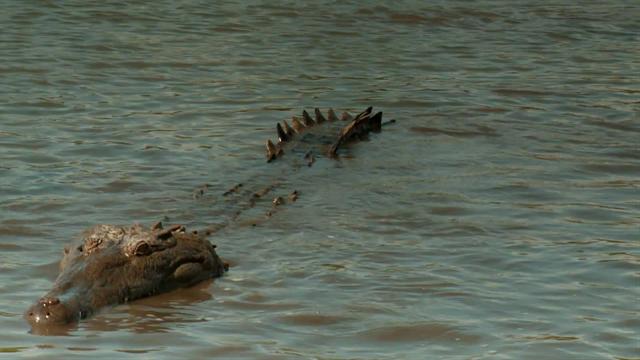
(114, 264)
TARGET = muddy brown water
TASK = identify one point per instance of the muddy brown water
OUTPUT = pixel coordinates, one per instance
(499, 218)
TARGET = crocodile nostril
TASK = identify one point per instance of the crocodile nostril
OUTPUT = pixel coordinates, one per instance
(49, 301)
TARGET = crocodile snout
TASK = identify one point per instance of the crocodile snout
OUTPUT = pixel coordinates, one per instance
(50, 310)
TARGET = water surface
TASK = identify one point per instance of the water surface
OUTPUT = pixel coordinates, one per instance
(499, 218)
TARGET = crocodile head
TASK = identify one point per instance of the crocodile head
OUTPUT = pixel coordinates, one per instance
(113, 265)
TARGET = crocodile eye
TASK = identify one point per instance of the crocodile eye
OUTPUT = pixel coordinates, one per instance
(142, 249)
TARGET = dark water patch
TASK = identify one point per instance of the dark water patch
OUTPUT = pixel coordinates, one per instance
(400, 103)
(624, 125)
(41, 160)
(41, 103)
(312, 319)
(529, 108)
(399, 220)
(120, 17)
(23, 70)
(551, 337)
(483, 131)
(561, 36)
(251, 306)
(21, 231)
(483, 15)
(417, 287)
(250, 63)
(117, 186)
(10, 247)
(595, 214)
(625, 154)
(454, 294)
(136, 351)
(173, 299)
(180, 65)
(489, 109)
(618, 169)
(631, 323)
(286, 13)
(629, 258)
(411, 19)
(231, 28)
(118, 142)
(229, 351)
(101, 65)
(81, 348)
(334, 33)
(430, 332)
(456, 229)
(370, 308)
(613, 337)
(47, 206)
(149, 321)
(449, 211)
(153, 147)
(136, 64)
(521, 92)
(528, 191)
(627, 91)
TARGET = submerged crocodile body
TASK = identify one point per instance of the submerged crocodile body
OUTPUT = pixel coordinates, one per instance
(113, 264)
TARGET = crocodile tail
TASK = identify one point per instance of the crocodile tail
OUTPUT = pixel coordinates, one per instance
(357, 129)
(287, 132)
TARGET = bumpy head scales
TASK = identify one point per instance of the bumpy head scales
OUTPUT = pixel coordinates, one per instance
(357, 128)
(115, 264)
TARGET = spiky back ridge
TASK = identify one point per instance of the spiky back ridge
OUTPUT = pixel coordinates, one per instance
(357, 128)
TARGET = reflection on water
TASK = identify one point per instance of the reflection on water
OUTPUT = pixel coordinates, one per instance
(152, 315)
(498, 218)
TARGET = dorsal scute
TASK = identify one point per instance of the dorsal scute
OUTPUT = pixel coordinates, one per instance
(282, 135)
(272, 151)
(287, 128)
(306, 119)
(332, 116)
(298, 127)
(361, 125)
(357, 128)
(366, 113)
(375, 122)
(319, 117)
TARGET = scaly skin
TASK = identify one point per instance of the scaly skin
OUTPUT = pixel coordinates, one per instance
(293, 137)
(114, 265)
